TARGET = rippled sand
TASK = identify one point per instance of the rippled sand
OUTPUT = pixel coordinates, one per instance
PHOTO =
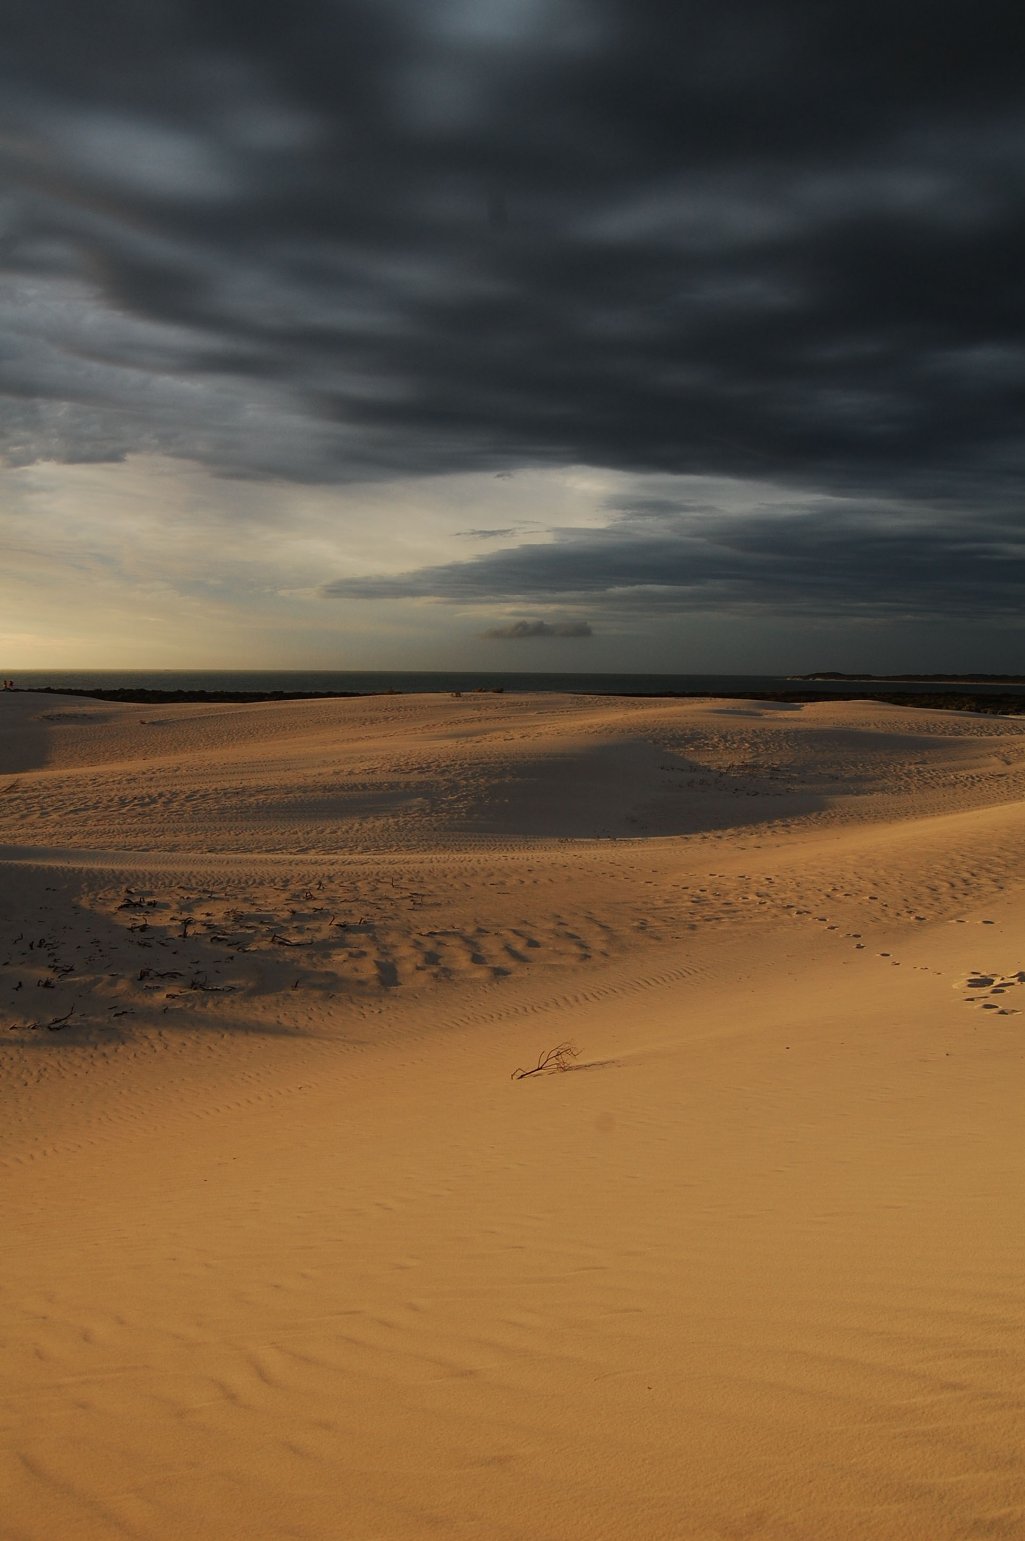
(289, 1251)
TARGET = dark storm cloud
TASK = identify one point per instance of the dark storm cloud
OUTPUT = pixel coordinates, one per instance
(740, 238)
(347, 238)
(519, 631)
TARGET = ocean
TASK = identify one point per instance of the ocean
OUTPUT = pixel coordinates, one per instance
(377, 682)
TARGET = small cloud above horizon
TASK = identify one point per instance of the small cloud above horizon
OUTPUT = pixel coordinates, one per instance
(488, 534)
(519, 630)
(522, 527)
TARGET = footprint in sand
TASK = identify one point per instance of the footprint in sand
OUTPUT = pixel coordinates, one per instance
(987, 986)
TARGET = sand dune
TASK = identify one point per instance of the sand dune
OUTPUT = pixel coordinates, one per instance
(291, 1254)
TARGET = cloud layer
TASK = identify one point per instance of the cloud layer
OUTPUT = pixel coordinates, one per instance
(379, 236)
(354, 240)
(730, 551)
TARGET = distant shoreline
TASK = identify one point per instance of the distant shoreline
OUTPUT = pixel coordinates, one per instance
(144, 695)
(1009, 704)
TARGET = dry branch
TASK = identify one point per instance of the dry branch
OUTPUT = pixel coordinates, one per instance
(555, 1059)
(56, 1023)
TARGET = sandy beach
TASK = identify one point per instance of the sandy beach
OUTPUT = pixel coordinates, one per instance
(291, 1251)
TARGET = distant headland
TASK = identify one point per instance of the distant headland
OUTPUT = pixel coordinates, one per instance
(921, 679)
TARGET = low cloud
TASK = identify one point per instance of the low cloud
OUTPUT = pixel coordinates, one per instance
(489, 534)
(519, 630)
(801, 554)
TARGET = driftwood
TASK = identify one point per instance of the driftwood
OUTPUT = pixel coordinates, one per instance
(556, 1059)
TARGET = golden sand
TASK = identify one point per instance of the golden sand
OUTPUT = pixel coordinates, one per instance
(289, 1253)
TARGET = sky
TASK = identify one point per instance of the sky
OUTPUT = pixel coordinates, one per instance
(521, 334)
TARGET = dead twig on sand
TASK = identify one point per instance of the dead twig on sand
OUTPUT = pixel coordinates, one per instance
(199, 982)
(556, 1059)
(415, 897)
(54, 1025)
